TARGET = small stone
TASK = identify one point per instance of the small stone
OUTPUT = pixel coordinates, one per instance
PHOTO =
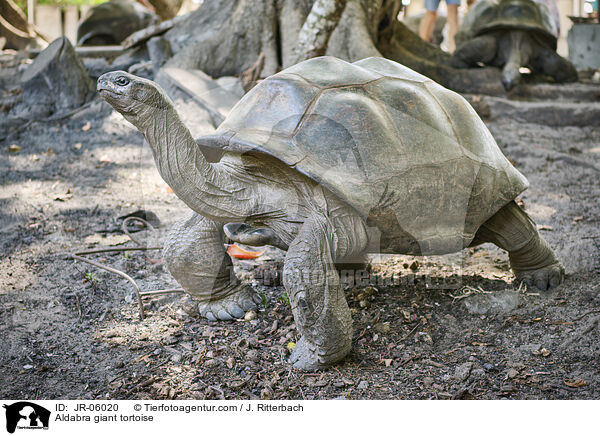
(27, 366)
(230, 362)
(463, 371)
(250, 315)
(363, 384)
(253, 355)
(382, 327)
(425, 337)
(211, 363)
(428, 381)
(176, 358)
(512, 373)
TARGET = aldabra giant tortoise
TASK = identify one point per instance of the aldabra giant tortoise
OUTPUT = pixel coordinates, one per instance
(511, 34)
(111, 22)
(331, 160)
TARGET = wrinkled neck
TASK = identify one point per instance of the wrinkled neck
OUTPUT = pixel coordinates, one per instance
(205, 188)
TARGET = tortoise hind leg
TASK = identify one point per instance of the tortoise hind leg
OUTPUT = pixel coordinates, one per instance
(481, 49)
(531, 258)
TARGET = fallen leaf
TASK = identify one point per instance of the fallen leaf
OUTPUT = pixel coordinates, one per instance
(78, 146)
(386, 362)
(14, 148)
(579, 383)
(240, 253)
(291, 346)
(87, 126)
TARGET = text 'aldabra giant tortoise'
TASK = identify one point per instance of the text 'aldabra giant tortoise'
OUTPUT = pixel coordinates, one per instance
(331, 160)
(511, 34)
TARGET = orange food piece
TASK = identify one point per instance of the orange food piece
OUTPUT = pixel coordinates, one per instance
(240, 253)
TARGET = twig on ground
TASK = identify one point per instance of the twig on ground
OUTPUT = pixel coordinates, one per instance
(78, 256)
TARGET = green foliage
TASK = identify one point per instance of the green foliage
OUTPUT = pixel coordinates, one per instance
(263, 297)
(285, 299)
(70, 2)
(23, 3)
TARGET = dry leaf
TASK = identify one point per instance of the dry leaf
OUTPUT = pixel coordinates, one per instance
(386, 362)
(14, 148)
(77, 146)
(87, 126)
(579, 383)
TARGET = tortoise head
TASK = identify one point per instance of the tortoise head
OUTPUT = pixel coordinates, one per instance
(131, 95)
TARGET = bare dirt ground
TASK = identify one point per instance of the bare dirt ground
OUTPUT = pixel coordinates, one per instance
(449, 327)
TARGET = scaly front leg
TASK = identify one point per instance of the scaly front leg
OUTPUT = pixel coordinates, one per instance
(320, 310)
(196, 257)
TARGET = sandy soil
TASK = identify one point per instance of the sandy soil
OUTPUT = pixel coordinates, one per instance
(450, 327)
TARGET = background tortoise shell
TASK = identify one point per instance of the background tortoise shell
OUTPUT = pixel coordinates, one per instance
(412, 157)
(485, 16)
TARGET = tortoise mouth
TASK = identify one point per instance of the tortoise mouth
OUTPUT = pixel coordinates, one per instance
(103, 90)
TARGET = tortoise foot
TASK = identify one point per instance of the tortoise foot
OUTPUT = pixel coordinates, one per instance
(305, 357)
(309, 357)
(233, 306)
(544, 278)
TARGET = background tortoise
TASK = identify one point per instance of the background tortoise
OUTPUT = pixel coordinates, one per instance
(111, 22)
(511, 34)
(331, 160)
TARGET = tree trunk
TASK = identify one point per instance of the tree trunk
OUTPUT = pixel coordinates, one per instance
(226, 37)
(318, 26)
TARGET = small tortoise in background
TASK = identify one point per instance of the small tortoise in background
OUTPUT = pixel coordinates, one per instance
(331, 160)
(511, 34)
(111, 22)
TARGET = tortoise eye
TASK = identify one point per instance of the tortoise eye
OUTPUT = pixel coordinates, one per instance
(121, 80)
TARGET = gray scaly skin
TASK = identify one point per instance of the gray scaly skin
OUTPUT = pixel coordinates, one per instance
(511, 50)
(291, 211)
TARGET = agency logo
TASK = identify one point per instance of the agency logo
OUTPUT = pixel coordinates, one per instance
(26, 415)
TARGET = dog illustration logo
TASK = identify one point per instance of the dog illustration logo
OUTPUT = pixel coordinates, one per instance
(26, 415)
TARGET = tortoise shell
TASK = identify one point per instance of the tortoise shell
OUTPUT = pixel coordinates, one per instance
(391, 143)
(490, 15)
(111, 22)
